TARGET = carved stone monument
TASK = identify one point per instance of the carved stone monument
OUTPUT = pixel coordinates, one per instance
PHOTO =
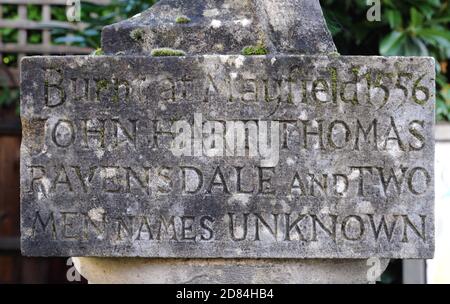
(227, 142)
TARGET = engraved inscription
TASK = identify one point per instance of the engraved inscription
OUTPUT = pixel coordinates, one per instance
(228, 157)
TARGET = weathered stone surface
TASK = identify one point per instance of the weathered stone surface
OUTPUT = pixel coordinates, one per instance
(223, 27)
(227, 271)
(353, 177)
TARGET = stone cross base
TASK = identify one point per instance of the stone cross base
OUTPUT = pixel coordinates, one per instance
(225, 271)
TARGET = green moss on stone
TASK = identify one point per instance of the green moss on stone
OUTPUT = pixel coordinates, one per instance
(255, 50)
(102, 84)
(334, 54)
(98, 52)
(182, 19)
(137, 34)
(167, 52)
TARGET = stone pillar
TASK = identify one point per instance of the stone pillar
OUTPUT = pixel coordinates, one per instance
(102, 182)
(227, 271)
(285, 27)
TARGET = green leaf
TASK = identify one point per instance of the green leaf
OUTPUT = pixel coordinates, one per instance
(439, 20)
(427, 10)
(434, 33)
(441, 108)
(435, 3)
(416, 18)
(392, 43)
(420, 47)
(395, 19)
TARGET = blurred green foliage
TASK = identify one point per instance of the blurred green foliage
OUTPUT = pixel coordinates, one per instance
(8, 96)
(407, 28)
(94, 15)
(97, 17)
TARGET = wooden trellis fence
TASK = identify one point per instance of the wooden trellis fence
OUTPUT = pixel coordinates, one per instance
(45, 26)
(13, 267)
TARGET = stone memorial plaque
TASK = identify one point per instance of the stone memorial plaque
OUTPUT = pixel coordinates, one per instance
(228, 156)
